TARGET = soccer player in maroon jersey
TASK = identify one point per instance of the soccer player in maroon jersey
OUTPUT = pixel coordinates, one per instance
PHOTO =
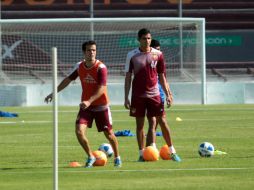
(147, 65)
(94, 101)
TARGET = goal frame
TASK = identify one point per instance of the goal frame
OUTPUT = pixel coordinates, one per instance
(201, 21)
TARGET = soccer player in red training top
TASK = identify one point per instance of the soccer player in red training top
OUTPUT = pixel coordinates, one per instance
(161, 120)
(147, 64)
(94, 101)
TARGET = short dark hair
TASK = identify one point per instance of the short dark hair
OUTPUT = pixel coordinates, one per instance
(90, 42)
(155, 43)
(143, 31)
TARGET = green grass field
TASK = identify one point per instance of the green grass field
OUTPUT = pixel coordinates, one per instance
(26, 151)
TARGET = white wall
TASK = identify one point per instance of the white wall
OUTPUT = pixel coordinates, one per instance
(184, 93)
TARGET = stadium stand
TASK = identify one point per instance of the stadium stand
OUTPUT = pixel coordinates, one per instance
(231, 70)
(219, 14)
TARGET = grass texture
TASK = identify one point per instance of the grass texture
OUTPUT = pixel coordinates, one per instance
(26, 154)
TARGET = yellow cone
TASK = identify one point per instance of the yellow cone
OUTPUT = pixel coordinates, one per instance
(178, 119)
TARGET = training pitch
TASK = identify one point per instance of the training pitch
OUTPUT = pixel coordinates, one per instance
(26, 155)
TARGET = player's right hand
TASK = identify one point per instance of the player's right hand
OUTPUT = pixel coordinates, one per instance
(169, 100)
(127, 104)
(48, 98)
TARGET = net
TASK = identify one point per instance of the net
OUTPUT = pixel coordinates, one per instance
(26, 46)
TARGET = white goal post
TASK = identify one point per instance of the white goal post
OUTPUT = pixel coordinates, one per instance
(26, 45)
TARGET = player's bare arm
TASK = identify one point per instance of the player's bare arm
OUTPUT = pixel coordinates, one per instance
(60, 87)
(127, 85)
(98, 93)
(166, 89)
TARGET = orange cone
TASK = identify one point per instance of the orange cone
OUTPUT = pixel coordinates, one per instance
(74, 164)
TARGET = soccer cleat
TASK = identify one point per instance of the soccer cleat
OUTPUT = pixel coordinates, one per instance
(90, 161)
(141, 159)
(175, 157)
(117, 162)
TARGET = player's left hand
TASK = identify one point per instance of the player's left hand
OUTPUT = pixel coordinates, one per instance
(127, 104)
(85, 104)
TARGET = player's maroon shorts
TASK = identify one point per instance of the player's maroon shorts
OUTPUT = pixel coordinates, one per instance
(102, 119)
(150, 106)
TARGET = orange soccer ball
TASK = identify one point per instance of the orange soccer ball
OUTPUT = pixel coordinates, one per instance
(150, 154)
(165, 153)
(101, 158)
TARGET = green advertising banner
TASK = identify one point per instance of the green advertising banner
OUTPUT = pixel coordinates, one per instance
(187, 41)
(224, 40)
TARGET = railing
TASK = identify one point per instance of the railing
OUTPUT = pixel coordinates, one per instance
(43, 71)
(219, 14)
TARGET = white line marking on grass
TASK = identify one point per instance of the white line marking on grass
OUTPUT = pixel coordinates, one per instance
(21, 122)
(166, 109)
(90, 170)
(8, 122)
(31, 122)
(219, 119)
(123, 120)
(209, 109)
(159, 170)
(69, 111)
